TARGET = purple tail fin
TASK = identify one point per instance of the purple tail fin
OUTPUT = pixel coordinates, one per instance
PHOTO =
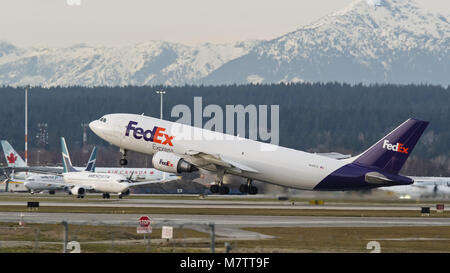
(391, 152)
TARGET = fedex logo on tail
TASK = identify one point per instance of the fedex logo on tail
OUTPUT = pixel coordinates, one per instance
(156, 135)
(399, 147)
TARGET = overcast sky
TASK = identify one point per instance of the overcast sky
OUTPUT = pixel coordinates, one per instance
(121, 22)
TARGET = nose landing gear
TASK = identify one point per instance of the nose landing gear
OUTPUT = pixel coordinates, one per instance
(123, 161)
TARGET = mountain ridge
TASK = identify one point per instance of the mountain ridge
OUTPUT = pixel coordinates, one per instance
(369, 41)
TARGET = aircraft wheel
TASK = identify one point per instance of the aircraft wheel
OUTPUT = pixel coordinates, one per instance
(224, 190)
(107, 196)
(253, 190)
(123, 162)
(243, 188)
(214, 188)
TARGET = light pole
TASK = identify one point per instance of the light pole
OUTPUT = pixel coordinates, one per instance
(161, 92)
(26, 126)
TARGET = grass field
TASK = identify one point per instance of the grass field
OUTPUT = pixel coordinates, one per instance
(49, 238)
(105, 239)
(351, 239)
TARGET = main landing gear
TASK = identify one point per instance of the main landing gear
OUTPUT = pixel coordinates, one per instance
(220, 188)
(106, 196)
(248, 188)
(123, 161)
(125, 193)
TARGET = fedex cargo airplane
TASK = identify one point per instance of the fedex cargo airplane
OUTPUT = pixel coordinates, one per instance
(180, 148)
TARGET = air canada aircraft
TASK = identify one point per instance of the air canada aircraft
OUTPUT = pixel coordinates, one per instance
(18, 167)
(180, 148)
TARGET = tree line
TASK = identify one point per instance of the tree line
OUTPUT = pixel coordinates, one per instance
(314, 117)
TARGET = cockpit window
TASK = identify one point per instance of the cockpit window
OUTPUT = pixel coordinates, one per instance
(103, 120)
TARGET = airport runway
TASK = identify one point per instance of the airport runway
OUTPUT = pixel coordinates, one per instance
(225, 220)
(225, 225)
(218, 204)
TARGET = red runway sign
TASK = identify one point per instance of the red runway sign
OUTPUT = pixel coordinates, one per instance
(144, 225)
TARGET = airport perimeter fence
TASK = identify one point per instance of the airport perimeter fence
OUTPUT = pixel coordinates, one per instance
(107, 237)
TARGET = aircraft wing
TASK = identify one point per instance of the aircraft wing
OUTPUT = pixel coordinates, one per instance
(12, 180)
(134, 184)
(86, 187)
(335, 155)
(201, 159)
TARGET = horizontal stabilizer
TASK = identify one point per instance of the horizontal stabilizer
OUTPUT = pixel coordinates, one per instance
(376, 178)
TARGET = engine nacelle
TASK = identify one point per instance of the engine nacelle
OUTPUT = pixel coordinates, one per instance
(78, 191)
(171, 163)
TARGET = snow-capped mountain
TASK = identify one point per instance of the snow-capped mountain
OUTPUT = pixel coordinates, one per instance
(154, 62)
(384, 41)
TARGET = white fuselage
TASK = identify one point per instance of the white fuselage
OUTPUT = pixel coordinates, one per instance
(108, 183)
(270, 163)
(40, 182)
(138, 174)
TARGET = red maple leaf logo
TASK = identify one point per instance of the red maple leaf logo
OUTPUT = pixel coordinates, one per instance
(11, 158)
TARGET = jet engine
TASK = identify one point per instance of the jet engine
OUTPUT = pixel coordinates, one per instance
(171, 163)
(79, 191)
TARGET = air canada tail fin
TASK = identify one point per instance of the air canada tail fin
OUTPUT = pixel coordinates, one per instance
(67, 164)
(90, 166)
(391, 152)
(12, 157)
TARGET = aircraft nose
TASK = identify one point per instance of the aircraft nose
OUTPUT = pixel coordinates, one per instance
(94, 125)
